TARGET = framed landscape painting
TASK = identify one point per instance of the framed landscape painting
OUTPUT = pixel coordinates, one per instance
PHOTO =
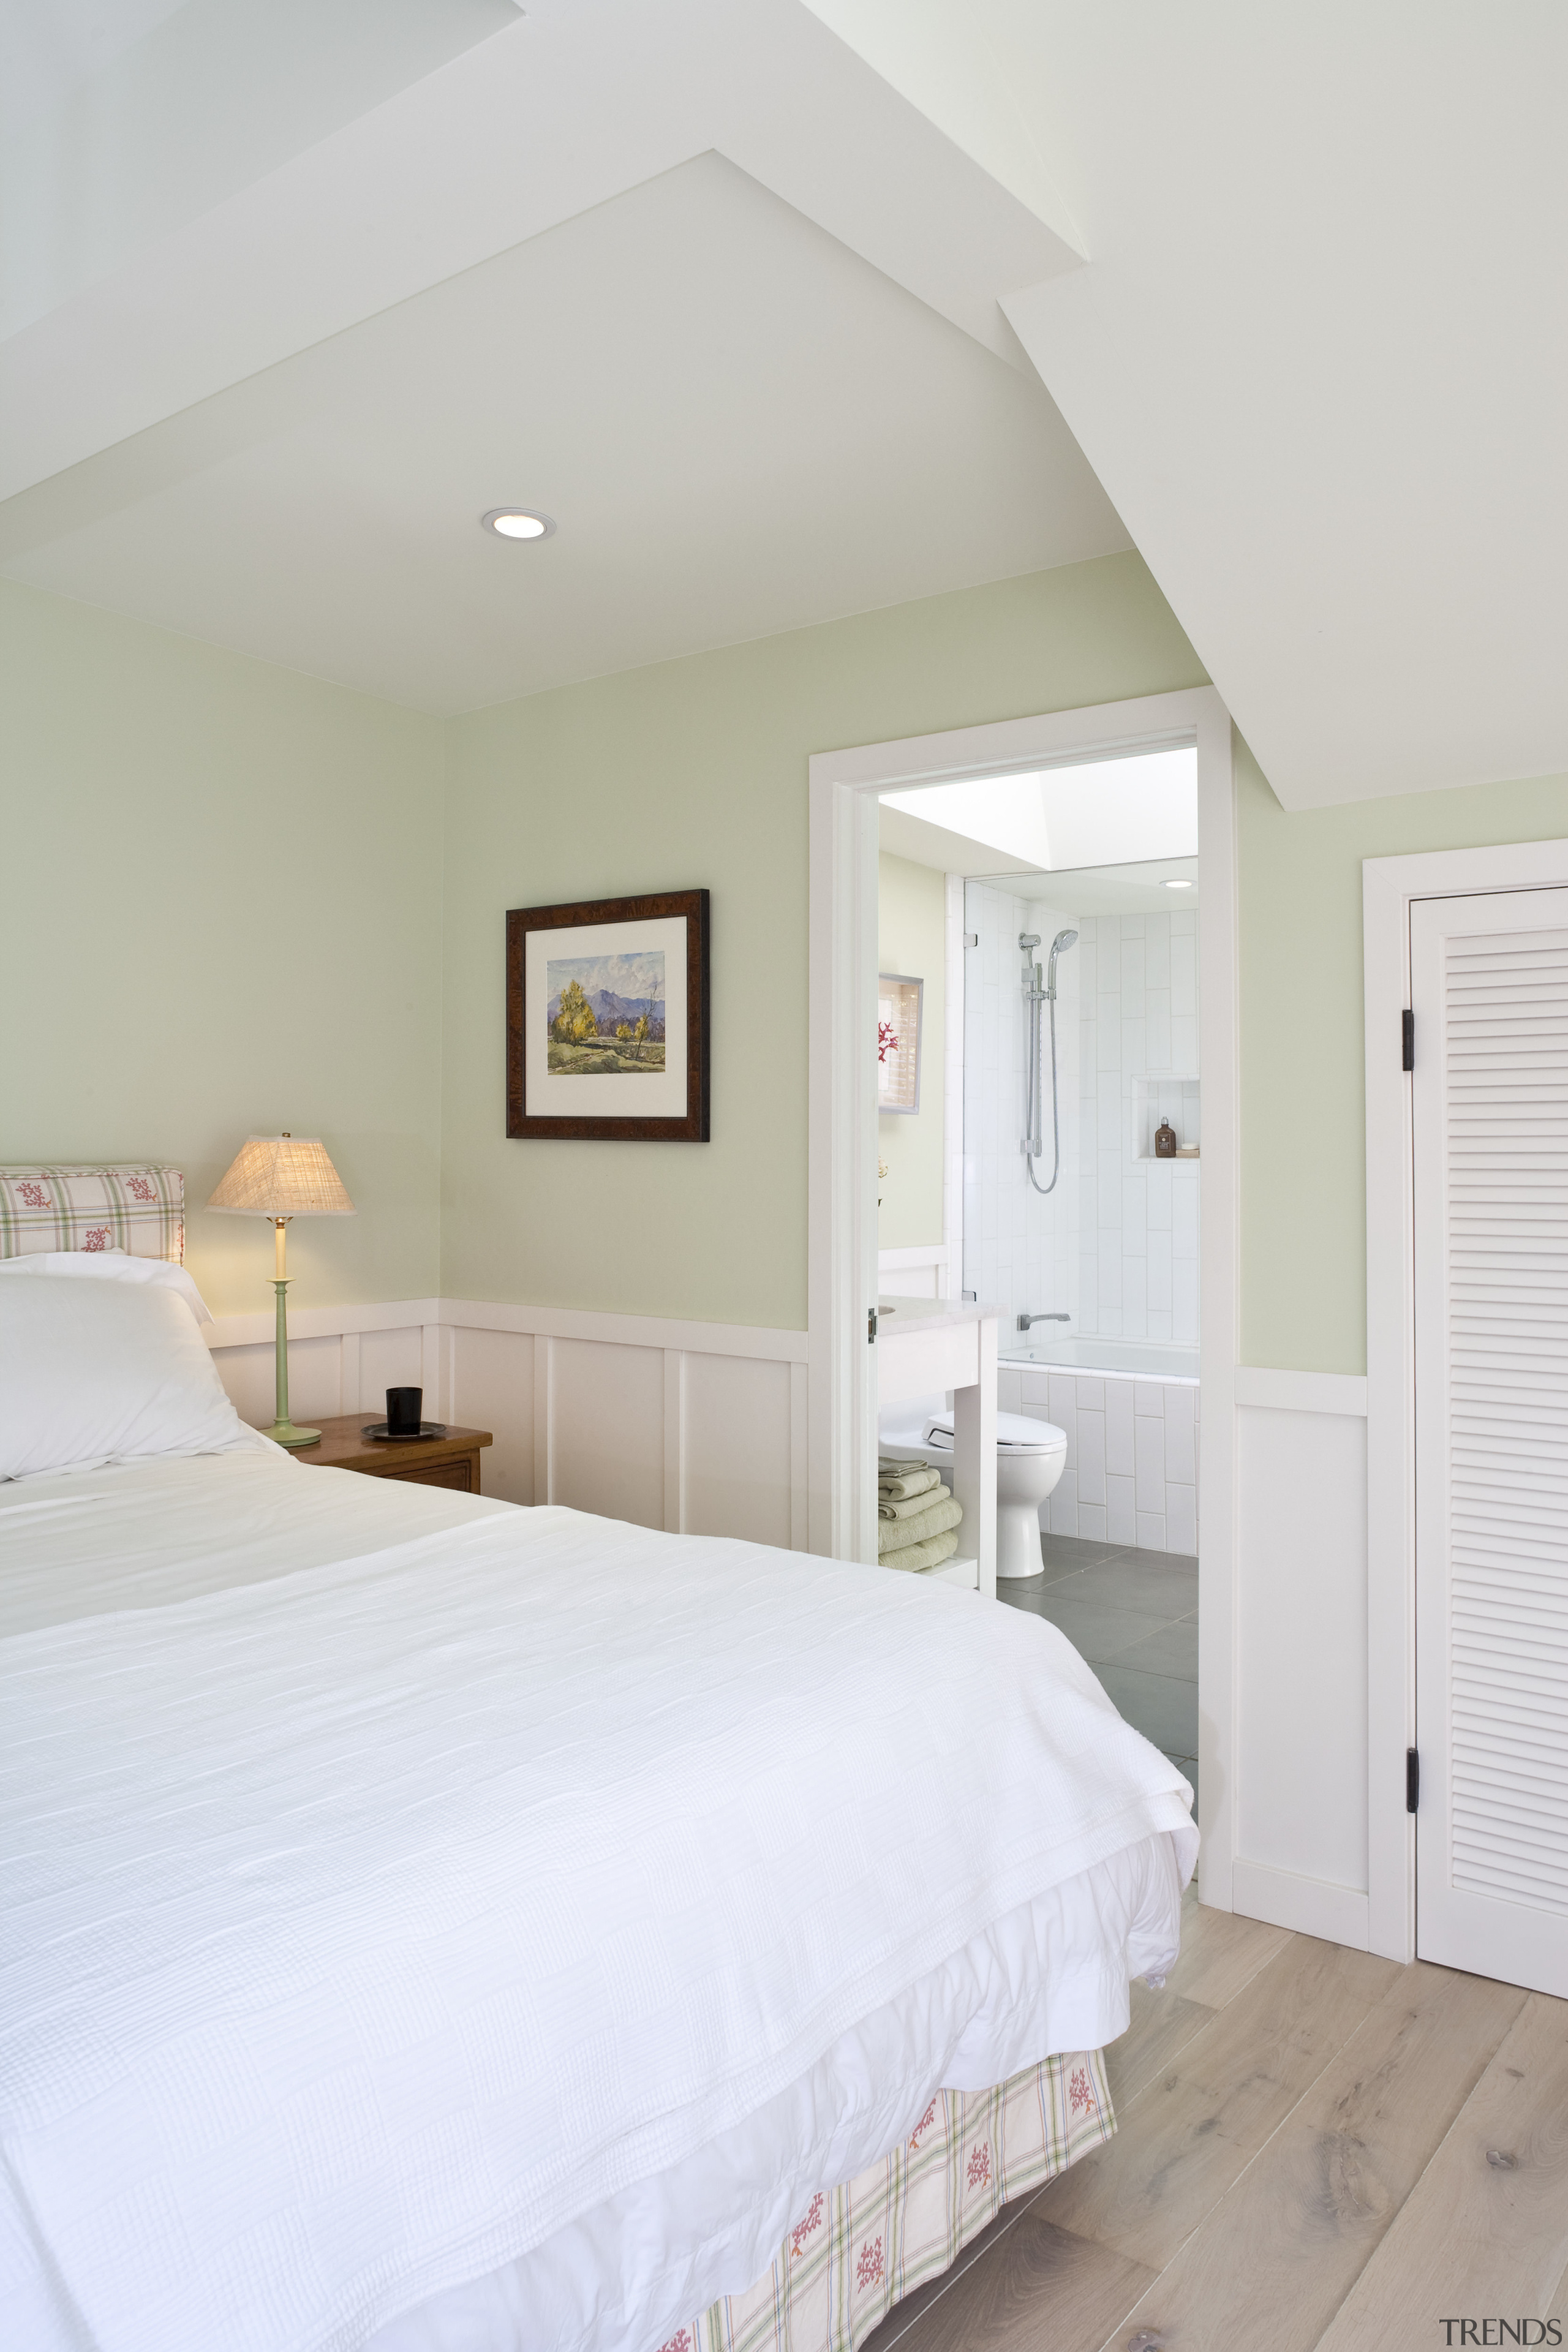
(607, 1019)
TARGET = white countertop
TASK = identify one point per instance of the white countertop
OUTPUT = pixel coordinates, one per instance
(898, 1315)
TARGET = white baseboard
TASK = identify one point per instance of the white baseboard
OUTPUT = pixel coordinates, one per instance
(1310, 1906)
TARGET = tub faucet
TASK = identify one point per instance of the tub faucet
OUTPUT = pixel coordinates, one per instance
(1024, 1320)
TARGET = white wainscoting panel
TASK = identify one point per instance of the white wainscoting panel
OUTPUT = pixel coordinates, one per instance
(315, 1379)
(736, 1416)
(493, 1371)
(606, 1424)
(695, 1427)
(1301, 1646)
(920, 1273)
(341, 1358)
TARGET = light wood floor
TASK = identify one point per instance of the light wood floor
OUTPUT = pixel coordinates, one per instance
(1316, 2148)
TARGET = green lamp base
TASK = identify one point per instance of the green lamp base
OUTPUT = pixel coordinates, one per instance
(283, 1432)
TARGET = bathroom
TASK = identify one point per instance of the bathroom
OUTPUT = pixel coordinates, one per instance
(1086, 1242)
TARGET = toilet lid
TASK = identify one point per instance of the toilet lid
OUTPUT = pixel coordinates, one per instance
(1016, 1432)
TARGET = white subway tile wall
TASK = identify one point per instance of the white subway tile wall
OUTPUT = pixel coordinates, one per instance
(1116, 1245)
(1132, 1472)
(1139, 1058)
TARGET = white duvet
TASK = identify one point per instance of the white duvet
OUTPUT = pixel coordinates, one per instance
(408, 1901)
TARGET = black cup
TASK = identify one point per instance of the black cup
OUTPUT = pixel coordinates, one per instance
(403, 1410)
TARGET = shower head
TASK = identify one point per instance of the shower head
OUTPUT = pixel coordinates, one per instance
(1063, 940)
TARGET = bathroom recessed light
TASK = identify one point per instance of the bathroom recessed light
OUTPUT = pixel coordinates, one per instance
(1178, 883)
(517, 522)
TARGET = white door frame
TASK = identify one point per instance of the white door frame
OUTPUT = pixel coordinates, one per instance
(842, 1226)
(1388, 886)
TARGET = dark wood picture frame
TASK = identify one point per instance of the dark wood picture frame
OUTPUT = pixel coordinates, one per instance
(654, 908)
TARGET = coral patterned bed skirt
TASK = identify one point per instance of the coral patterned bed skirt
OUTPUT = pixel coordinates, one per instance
(855, 2251)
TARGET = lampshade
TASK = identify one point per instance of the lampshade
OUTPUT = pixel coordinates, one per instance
(282, 1176)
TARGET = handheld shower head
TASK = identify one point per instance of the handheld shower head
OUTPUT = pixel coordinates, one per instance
(1063, 940)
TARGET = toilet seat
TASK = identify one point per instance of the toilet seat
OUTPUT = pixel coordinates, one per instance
(932, 1432)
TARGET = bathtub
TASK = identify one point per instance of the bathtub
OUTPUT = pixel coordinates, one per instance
(1130, 1409)
(1148, 1359)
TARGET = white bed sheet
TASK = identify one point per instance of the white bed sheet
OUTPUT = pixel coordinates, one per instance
(369, 1926)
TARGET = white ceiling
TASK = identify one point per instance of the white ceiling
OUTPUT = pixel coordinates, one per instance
(773, 281)
(738, 425)
(1319, 353)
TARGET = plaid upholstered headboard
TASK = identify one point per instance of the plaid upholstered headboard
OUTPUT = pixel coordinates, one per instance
(139, 1210)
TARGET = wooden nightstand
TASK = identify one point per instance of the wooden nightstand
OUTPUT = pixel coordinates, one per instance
(449, 1461)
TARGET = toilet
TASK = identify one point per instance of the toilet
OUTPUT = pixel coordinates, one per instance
(1030, 1457)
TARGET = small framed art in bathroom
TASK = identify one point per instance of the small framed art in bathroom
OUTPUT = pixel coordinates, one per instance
(899, 1001)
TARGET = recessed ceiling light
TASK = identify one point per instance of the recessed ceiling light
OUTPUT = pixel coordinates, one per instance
(1178, 883)
(517, 522)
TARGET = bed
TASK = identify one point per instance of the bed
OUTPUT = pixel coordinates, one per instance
(433, 1926)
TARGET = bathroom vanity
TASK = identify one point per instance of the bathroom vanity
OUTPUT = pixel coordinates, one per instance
(926, 1344)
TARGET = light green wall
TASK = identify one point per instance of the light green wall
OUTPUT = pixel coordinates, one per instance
(220, 911)
(1303, 1079)
(694, 773)
(911, 939)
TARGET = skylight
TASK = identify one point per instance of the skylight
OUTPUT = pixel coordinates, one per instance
(1103, 812)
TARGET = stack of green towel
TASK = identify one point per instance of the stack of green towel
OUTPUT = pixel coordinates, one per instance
(916, 1516)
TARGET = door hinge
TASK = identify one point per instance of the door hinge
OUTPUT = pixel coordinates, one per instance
(972, 939)
(1407, 1040)
(1412, 1780)
(870, 1327)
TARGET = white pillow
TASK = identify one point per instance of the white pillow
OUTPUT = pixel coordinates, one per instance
(105, 1371)
(113, 1265)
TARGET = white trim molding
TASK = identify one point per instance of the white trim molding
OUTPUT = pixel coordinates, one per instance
(1282, 1392)
(1389, 884)
(845, 786)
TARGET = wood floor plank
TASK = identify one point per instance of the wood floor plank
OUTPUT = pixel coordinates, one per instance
(1186, 2137)
(1036, 2286)
(1221, 1953)
(905, 2313)
(1275, 2259)
(1163, 2024)
(1478, 2237)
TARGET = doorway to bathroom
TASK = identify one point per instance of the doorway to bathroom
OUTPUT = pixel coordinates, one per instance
(1072, 1122)
(845, 1158)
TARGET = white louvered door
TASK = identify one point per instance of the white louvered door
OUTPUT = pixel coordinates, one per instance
(1489, 991)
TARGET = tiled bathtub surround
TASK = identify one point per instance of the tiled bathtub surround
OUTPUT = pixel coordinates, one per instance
(1132, 1472)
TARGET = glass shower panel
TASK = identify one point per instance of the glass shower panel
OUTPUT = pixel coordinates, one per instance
(1020, 1246)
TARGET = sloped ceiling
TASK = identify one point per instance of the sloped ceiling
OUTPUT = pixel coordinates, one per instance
(1318, 350)
(739, 426)
(780, 311)
(697, 283)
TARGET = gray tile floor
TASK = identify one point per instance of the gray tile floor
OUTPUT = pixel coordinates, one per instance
(1134, 1616)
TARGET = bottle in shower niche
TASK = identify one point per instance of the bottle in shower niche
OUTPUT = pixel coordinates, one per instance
(1165, 1141)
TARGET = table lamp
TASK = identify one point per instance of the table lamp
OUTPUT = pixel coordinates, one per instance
(283, 1176)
